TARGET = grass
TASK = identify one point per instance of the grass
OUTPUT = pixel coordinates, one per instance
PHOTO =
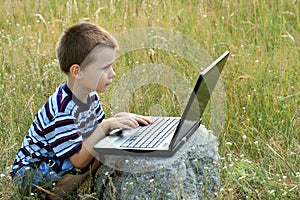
(259, 145)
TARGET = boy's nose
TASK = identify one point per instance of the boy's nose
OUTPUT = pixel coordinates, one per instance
(113, 73)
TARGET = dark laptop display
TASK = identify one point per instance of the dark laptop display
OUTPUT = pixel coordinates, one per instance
(199, 98)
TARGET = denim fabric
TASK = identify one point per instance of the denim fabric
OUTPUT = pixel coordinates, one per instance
(43, 176)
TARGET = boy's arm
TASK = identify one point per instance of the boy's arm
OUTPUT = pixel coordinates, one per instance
(85, 155)
(123, 121)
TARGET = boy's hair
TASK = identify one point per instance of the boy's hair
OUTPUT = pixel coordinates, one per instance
(78, 41)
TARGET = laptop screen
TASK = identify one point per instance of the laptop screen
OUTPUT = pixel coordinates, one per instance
(199, 98)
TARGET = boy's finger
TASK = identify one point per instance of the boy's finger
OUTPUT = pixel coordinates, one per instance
(143, 120)
(129, 121)
(124, 126)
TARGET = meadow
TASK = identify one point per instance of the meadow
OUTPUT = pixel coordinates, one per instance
(259, 144)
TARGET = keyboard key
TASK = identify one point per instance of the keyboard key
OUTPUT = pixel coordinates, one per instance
(152, 136)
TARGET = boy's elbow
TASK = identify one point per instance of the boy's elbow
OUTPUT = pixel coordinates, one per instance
(78, 163)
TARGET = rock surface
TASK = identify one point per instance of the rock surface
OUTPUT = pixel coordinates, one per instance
(192, 173)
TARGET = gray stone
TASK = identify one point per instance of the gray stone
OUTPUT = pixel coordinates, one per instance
(192, 173)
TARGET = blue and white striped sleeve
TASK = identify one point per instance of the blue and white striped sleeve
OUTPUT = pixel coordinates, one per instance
(63, 136)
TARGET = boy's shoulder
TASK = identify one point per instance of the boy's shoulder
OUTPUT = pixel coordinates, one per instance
(59, 103)
(62, 104)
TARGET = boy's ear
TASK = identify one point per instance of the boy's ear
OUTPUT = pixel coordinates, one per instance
(75, 71)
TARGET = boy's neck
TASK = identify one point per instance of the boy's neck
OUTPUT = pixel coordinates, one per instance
(78, 91)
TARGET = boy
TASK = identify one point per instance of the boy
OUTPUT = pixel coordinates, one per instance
(58, 147)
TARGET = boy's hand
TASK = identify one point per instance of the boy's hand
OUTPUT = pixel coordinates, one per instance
(140, 119)
(123, 120)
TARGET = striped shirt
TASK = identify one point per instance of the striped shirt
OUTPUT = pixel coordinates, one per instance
(59, 128)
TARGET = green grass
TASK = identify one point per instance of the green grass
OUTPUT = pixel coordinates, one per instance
(260, 143)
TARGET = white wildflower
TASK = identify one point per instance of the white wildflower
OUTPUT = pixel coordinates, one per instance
(228, 143)
(271, 191)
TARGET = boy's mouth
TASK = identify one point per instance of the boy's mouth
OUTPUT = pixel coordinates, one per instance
(107, 84)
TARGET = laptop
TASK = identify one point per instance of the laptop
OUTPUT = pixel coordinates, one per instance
(165, 136)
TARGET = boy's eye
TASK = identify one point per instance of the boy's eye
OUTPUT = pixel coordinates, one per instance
(102, 68)
(107, 67)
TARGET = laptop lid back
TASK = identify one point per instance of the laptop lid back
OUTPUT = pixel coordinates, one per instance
(198, 101)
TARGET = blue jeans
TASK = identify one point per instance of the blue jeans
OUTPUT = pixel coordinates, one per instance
(43, 176)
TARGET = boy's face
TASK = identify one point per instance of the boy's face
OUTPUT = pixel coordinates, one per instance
(98, 73)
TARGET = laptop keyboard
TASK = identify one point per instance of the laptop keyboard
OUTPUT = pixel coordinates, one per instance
(152, 136)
